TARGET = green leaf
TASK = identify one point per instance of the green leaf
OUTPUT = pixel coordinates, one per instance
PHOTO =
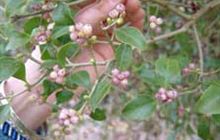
(21, 72)
(48, 51)
(141, 108)
(62, 14)
(67, 51)
(14, 6)
(101, 91)
(8, 67)
(80, 78)
(17, 40)
(64, 96)
(4, 113)
(98, 115)
(209, 102)
(60, 31)
(49, 88)
(123, 56)
(131, 36)
(216, 119)
(203, 129)
(169, 69)
(49, 64)
(32, 23)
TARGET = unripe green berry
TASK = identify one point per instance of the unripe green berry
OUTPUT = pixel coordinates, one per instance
(120, 21)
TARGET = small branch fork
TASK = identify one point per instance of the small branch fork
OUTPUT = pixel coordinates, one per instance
(19, 17)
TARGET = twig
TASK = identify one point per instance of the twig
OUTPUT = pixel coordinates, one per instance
(167, 35)
(74, 65)
(211, 73)
(26, 90)
(18, 17)
(34, 59)
(167, 5)
(90, 95)
(194, 18)
(76, 2)
(201, 56)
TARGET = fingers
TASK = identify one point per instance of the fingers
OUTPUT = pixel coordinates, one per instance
(138, 19)
(95, 13)
(135, 14)
(132, 5)
(33, 72)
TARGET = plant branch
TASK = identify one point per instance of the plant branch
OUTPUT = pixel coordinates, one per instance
(19, 17)
(74, 65)
(201, 56)
(167, 5)
(194, 18)
(24, 91)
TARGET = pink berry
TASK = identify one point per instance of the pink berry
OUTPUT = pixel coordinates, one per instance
(57, 133)
(153, 25)
(74, 119)
(186, 71)
(62, 72)
(59, 80)
(87, 30)
(153, 19)
(163, 97)
(66, 122)
(73, 36)
(175, 94)
(158, 30)
(181, 111)
(120, 76)
(169, 101)
(162, 90)
(114, 13)
(56, 68)
(169, 94)
(115, 72)
(80, 41)
(159, 21)
(71, 28)
(53, 75)
(61, 122)
(79, 26)
(63, 115)
(46, 15)
(124, 82)
(126, 74)
(115, 81)
(120, 7)
(192, 66)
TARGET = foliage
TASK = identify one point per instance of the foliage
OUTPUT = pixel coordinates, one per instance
(180, 54)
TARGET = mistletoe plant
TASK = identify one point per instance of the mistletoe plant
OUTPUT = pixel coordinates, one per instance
(169, 71)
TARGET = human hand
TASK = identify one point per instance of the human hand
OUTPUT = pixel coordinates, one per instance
(32, 114)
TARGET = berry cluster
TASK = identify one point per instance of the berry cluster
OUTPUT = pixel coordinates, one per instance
(189, 69)
(120, 78)
(57, 75)
(81, 33)
(166, 96)
(68, 117)
(117, 15)
(42, 34)
(155, 23)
